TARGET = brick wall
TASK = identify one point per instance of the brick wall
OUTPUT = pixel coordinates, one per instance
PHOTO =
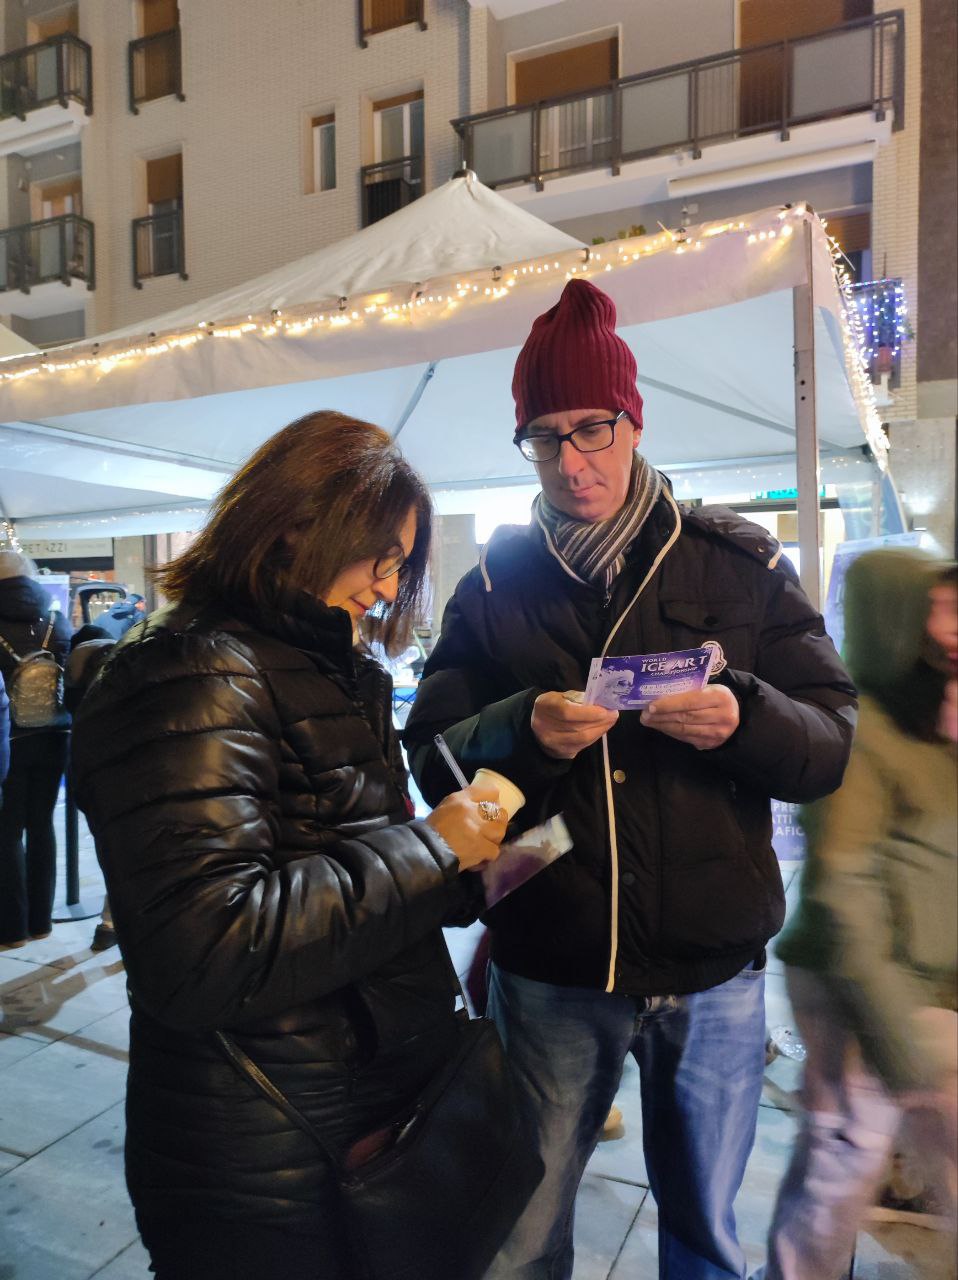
(895, 201)
(251, 75)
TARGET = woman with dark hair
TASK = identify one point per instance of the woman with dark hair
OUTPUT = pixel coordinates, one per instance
(236, 763)
(872, 952)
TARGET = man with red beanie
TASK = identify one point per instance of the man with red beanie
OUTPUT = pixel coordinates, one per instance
(649, 936)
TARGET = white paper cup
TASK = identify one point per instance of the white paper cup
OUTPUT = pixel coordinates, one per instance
(510, 797)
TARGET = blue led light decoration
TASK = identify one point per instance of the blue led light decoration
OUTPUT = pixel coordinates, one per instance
(884, 321)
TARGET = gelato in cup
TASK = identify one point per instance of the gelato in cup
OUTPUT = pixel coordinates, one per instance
(510, 797)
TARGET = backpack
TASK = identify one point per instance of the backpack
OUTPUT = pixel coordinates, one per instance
(35, 686)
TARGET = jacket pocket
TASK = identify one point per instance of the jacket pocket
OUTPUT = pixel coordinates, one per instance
(732, 623)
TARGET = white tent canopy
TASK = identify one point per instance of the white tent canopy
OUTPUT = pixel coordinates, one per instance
(415, 323)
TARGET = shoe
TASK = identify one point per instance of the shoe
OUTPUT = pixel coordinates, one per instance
(12, 946)
(104, 937)
(614, 1126)
(38, 937)
(921, 1210)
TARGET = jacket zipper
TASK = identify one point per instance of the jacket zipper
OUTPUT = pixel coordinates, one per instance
(610, 803)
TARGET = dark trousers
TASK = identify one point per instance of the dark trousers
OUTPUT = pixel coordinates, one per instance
(28, 847)
(213, 1249)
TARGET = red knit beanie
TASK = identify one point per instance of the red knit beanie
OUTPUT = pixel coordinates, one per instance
(574, 359)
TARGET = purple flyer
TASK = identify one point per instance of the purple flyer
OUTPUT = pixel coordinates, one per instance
(524, 857)
(631, 682)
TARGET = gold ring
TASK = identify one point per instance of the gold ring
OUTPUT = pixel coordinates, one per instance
(489, 811)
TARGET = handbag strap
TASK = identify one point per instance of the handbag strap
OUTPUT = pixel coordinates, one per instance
(250, 1072)
(46, 639)
(18, 658)
(248, 1069)
(10, 649)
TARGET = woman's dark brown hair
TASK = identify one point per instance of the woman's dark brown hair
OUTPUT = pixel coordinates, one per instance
(320, 495)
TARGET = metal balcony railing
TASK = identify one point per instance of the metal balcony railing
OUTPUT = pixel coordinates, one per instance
(383, 15)
(39, 252)
(856, 67)
(155, 68)
(884, 319)
(158, 247)
(55, 70)
(389, 186)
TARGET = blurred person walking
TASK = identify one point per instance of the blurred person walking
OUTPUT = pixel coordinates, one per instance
(872, 952)
(29, 624)
(237, 764)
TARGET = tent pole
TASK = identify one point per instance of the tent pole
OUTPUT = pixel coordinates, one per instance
(806, 429)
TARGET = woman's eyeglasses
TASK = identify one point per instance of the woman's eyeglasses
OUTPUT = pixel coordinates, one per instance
(590, 437)
(388, 566)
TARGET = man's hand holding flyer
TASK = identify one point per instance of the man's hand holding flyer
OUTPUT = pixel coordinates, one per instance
(632, 682)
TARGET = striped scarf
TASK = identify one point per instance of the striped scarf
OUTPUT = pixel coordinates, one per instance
(595, 553)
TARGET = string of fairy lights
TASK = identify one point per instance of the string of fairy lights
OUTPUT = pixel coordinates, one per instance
(443, 298)
(884, 317)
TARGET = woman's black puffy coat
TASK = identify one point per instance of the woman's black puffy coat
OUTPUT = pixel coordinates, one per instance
(250, 815)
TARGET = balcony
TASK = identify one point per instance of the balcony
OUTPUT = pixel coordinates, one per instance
(726, 110)
(390, 185)
(155, 68)
(158, 247)
(39, 262)
(383, 15)
(884, 319)
(46, 93)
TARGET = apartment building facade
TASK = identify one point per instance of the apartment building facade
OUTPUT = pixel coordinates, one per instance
(155, 152)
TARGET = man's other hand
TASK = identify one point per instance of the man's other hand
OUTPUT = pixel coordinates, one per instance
(564, 728)
(704, 719)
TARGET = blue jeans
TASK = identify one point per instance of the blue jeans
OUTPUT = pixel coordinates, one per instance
(701, 1057)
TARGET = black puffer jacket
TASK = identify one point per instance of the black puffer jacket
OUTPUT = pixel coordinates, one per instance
(250, 815)
(672, 885)
(24, 618)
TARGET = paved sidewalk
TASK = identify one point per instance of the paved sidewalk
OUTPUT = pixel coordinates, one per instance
(64, 1214)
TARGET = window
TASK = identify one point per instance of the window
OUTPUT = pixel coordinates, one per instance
(577, 133)
(56, 198)
(158, 237)
(383, 15)
(56, 24)
(321, 169)
(568, 70)
(398, 127)
(395, 177)
(762, 75)
(853, 232)
(155, 69)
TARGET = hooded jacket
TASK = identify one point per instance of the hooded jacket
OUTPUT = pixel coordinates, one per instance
(877, 913)
(244, 788)
(24, 617)
(672, 885)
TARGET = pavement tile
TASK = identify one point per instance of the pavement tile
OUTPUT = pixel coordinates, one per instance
(13, 1048)
(67, 945)
(65, 1213)
(64, 1000)
(605, 1210)
(50, 1093)
(8, 1161)
(132, 1264)
(16, 973)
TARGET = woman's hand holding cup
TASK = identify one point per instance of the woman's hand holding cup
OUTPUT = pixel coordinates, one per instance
(472, 823)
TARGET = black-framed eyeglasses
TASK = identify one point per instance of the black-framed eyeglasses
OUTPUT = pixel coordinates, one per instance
(589, 437)
(389, 565)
